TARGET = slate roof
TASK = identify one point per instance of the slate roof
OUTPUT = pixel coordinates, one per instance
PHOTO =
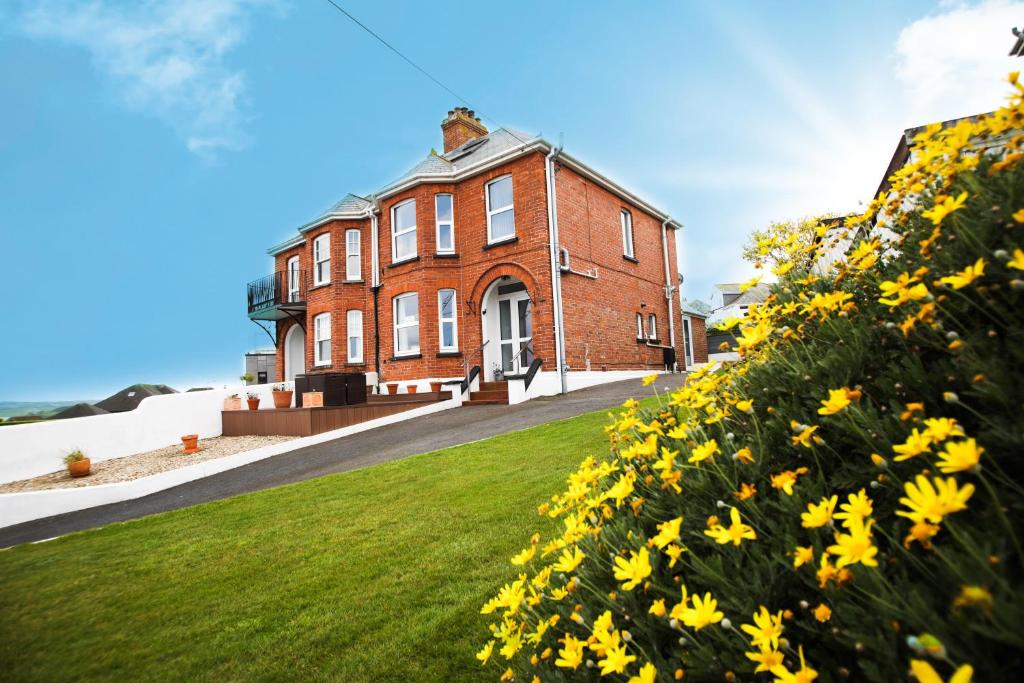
(695, 307)
(754, 295)
(80, 410)
(130, 397)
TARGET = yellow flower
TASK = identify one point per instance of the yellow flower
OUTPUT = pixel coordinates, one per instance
(941, 428)
(802, 675)
(703, 613)
(944, 208)
(570, 656)
(667, 532)
(507, 676)
(766, 659)
(960, 456)
(524, 556)
(650, 379)
(930, 501)
(746, 492)
(783, 268)
(703, 451)
(838, 400)
(819, 514)
(822, 613)
(922, 532)
(855, 546)
(745, 406)
(784, 481)
(569, 560)
(485, 653)
(735, 533)
(973, 596)
(803, 555)
(924, 673)
(1017, 262)
(647, 674)
(966, 276)
(1018, 215)
(757, 278)
(804, 437)
(765, 630)
(616, 660)
(916, 444)
(634, 570)
(673, 551)
(745, 455)
(858, 507)
(657, 608)
(902, 290)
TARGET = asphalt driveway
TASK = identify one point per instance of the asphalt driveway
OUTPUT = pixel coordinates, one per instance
(419, 435)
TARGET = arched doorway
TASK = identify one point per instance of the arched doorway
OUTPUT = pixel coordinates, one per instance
(294, 352)
(507, 319)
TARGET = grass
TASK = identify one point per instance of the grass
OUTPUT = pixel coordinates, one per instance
(372, 575)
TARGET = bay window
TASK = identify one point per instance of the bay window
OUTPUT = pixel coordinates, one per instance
(353, 266)
(322, 259)
(322, 339)
(445, 224)
(354, 330)
(403, 231)
(448, 327)
(407, 324)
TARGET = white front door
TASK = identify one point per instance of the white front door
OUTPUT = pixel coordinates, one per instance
(515, 332)
(294, 353)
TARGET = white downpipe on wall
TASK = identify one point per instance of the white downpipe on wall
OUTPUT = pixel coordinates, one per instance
(556, 273)
(669, 292)
(374, 247)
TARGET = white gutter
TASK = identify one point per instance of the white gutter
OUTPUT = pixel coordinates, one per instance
(669, 292)
(371, 212)
(556, 272)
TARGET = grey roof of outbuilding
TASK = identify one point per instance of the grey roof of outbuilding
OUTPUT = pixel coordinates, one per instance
(754, 295)
(79, 410)
(696, 307)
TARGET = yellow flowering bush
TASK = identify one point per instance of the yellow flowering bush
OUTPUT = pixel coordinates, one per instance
(845, 502)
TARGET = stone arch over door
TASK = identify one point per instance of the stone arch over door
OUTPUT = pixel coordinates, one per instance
(503, 269)
(294, 352)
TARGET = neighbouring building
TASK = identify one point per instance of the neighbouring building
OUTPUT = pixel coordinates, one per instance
(503, 252)
(727, 301)
(695, 336)
(261, 365)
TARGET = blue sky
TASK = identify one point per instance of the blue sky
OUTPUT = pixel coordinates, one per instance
(151, 151)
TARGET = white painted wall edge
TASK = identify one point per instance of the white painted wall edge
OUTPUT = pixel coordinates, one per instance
(16, 508)
(547, 384)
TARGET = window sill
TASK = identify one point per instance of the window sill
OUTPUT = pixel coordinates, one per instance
(446, 254)
(449, 354)
(355, 364)
(321, 366)
(501, 243)
(319, 286)
(353, 282)
(631, 259)
(411, 259)
(411, 356)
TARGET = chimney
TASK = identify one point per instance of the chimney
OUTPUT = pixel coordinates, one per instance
(461, 126)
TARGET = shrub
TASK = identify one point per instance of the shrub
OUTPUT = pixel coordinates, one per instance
(74, 456)
(845, 502)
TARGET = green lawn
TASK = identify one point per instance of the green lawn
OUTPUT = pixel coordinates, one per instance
(373, 575)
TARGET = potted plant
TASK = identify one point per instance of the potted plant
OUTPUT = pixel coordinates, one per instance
(78, 464)
(191, 442)
(410, 388)
(247, 377)
(253, 399)
(435, 387)
(392, 387)
(282, 396)
(233, 402)
(499, 373)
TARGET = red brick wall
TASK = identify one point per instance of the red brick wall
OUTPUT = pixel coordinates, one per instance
(600, 314)
(700, 340)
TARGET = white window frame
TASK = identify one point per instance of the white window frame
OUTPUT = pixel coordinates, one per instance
(441, 321)
(353, 255)
(395, 234)
(399, 326)
(354, 330)
(626, 222)
(320, 322)
(450, 223)
(293, 276)
(491, 211)
(640, 326)
(322, 254)
(652, 326)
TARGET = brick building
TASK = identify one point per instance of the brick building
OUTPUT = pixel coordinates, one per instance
(453, 266)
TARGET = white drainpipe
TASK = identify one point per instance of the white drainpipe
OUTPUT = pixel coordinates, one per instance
(374, 256)
(556, 273)
(669, 291)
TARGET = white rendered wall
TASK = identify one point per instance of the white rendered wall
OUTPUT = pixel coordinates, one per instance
(547, 384)
(30, 450)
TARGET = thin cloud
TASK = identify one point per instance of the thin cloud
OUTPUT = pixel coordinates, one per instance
(165, 59)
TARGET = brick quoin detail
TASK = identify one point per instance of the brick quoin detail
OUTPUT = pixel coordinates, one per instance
(599, 314)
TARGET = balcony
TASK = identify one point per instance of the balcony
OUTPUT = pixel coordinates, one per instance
(278, 296)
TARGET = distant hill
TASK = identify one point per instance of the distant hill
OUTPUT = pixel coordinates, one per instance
(41, 408)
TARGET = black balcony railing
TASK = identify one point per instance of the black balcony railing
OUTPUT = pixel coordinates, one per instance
(283, 288)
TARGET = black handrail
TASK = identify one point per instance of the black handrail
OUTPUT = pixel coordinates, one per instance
(473, 372)
(534, 367)
(273, 290)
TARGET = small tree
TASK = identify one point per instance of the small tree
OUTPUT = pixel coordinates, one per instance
(781, 240)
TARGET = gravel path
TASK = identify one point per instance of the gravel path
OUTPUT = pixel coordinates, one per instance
(144, 464)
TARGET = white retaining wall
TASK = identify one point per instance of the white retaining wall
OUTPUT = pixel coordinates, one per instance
(547, 383)
(30, 450)
(16, 508)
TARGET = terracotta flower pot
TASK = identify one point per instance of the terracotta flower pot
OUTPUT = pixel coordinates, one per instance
(392, 387)
(435, 387)
(232, 403)
(81, 468)
(411, 388)
(254, 403)
(283, 399)
(191, 442)
(313, 399)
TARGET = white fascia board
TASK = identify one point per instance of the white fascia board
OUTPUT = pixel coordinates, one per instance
(286, 245)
